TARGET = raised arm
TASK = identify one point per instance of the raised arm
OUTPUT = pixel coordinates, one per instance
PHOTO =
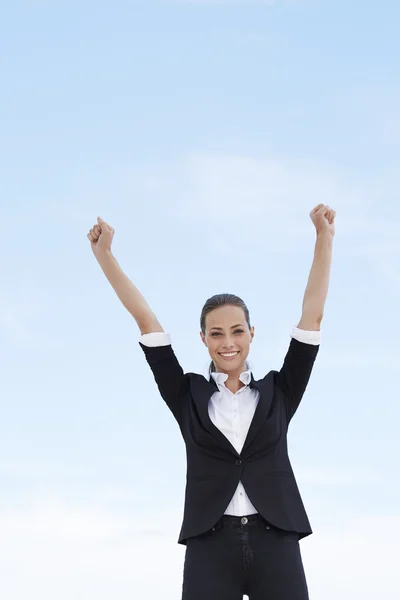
(296, 370)
(316, 292)
(157, 348)
(101, 236)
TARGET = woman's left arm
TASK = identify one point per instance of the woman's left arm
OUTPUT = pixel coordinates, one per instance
(316, 292)
(299, 361)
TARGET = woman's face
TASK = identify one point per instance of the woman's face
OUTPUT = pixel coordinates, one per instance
(227, 332)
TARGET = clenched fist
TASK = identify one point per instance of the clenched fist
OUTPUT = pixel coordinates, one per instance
(101, 236)
(323, 218)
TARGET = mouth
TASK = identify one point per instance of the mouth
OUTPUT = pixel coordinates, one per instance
(229, 355)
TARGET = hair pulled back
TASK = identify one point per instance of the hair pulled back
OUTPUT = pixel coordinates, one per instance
(216, 302)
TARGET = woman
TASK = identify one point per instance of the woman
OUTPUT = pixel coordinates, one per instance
(243, 515)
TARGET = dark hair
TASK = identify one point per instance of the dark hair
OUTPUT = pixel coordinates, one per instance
(216, 302)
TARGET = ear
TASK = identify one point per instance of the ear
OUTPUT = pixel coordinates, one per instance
(203, 337)
(252, 330)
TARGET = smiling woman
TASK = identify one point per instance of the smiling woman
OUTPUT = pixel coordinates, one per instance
(227, 333)
(243, 515)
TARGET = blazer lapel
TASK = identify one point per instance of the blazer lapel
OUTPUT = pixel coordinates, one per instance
(265, 387)
(202, 390)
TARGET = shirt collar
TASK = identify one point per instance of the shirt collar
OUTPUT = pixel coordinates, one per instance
(220, 378)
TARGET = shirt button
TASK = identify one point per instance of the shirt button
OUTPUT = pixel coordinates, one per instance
(238, 462)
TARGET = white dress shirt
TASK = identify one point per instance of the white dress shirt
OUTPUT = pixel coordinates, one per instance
(233, 413)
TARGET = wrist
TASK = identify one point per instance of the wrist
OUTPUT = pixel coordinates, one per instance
(103, 254)
(325, 233)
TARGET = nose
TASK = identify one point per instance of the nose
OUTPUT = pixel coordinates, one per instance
(230, 345)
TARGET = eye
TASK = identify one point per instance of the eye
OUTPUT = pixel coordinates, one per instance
(218, 333)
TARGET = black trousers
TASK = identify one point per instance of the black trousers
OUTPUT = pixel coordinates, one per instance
(244, 555)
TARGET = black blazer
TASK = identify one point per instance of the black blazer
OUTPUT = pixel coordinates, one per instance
(214, 467)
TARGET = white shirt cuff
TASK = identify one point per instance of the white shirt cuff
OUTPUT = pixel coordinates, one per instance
(307, 337)
(157, 338)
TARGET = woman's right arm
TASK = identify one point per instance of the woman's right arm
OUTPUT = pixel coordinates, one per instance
(101, 236)
(128, 293)
(158, 351)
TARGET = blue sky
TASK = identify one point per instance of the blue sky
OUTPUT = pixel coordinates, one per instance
(204, 132)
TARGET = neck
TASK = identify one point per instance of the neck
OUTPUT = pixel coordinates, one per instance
(233, 383)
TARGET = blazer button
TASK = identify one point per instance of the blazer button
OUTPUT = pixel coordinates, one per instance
(238, 462)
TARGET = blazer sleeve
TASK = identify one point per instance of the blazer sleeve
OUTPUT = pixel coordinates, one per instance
(169, 377)
(295, 373)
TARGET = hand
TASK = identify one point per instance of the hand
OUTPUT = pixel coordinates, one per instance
(101, 236)
(323, 218)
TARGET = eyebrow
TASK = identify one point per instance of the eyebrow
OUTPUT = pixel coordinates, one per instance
(233, 327)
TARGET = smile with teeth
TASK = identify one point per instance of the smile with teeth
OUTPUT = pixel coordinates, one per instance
(229, 354)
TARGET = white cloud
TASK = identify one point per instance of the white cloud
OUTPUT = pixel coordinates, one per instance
(236, 2)
(339, 477)
(359, 358)
(55, 549)
(375, 105)
(384, 255)
(280, 192)
(273, 197)
(357, 558)
(17, 321)
(28, 468)
(23, 308)
(226, 2)
(229, 187)
(60, 551)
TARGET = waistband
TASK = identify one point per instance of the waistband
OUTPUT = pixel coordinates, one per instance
(237, 522)
(249, 518)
